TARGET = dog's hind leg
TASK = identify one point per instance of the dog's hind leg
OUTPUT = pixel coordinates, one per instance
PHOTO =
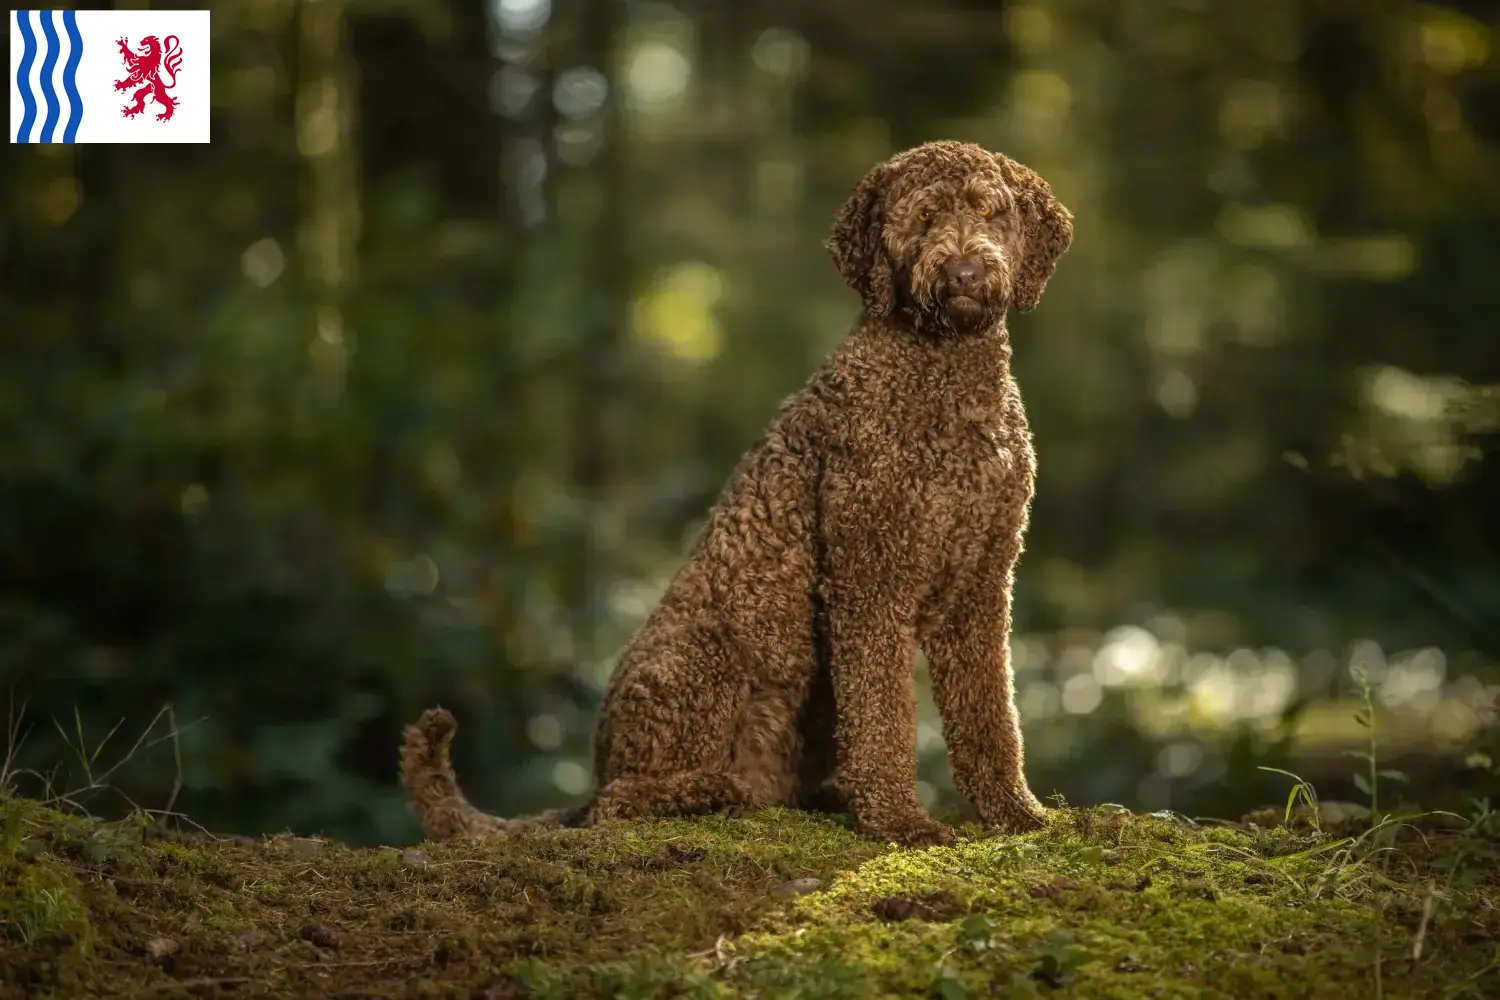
(687, 793)
(668, 731)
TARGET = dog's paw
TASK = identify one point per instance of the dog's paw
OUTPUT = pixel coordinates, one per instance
(917, 832)
(930, 833)
(1021, 813)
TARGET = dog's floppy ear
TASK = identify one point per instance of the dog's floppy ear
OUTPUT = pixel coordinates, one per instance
(857, 244)
(1046, 226)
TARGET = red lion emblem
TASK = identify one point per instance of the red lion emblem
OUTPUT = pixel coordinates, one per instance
(153, 70)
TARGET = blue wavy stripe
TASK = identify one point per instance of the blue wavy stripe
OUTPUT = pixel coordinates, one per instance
(70, 76)
(49, 92)
(23, 75)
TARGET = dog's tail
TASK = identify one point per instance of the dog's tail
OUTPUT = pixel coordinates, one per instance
(434, 795)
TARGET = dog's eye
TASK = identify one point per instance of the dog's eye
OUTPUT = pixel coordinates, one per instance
(985, 211)
(925, 216)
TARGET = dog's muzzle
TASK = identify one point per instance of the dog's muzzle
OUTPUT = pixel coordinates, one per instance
(965, 278)
(967, 291)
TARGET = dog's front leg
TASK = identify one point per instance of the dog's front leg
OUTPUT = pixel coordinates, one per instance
(968, 652)
(875, 697)
(870, 600)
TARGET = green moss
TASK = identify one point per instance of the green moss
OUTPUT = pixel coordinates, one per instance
(1101, 904)
(45, 931)
(40, 902)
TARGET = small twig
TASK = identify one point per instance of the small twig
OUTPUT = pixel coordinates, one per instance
(184, 818)
(176, 758)
(717, 951)
(1417, 942)
(139, 744)
(156, 813)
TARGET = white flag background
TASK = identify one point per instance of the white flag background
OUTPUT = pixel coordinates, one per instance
(62, 78)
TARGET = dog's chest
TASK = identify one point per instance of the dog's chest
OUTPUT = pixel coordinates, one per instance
(978, 490)
(983, 454)
(975, 474)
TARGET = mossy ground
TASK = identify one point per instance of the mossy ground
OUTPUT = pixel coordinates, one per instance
(1101, 904)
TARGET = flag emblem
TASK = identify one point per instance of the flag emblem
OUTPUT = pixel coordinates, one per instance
(69, 70)
(153, 69)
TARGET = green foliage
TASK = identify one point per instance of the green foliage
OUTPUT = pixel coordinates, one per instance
(40, 902)
(1302, 792)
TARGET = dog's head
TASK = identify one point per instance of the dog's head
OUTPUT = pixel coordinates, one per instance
(952, 234)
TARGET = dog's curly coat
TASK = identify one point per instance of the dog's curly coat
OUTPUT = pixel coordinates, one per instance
(885, 506)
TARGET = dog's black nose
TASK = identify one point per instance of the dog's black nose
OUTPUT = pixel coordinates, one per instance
(964, 274)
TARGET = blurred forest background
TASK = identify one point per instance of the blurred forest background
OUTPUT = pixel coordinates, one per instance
(408, 388)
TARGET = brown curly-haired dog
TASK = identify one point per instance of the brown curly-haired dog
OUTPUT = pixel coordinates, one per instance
(885, 506)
